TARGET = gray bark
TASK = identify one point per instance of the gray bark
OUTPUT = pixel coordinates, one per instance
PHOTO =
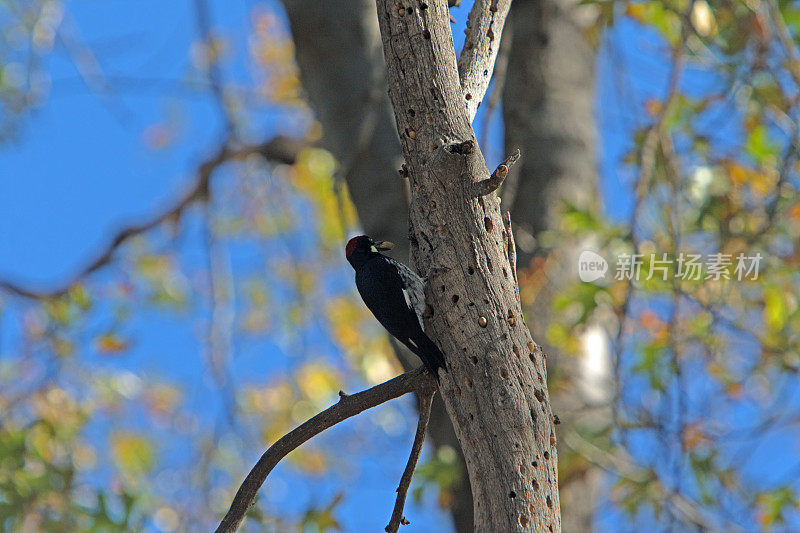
(548, 114)
(494, 389)
(342, 70)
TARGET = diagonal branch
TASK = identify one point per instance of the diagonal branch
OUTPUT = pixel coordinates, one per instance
(425, 401)
(279, 149)
(476, 62)
(418, 380)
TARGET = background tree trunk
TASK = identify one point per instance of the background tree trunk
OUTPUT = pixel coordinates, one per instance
(548, 103)
(343, 73)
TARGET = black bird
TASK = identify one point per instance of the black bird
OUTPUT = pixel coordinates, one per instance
(395, 295)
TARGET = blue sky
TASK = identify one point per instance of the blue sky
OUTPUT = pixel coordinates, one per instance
(81, 169)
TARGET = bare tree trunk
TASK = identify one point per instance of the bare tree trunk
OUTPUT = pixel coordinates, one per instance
(548, 106)
(495, 389)
(342, 70)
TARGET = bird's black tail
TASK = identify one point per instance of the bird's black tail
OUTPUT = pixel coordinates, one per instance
(430, 354)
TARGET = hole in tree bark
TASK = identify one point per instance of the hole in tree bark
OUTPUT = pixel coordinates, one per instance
(546, 456)
(549, 502)
(455, 298)
(487, 223)
(470, 271)
(427, 35)
(535, 483)
(512, 494)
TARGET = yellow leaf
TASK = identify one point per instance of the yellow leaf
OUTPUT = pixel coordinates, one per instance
(111, 343)
(132, 453)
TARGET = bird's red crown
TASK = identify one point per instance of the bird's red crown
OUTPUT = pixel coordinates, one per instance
(352, 244)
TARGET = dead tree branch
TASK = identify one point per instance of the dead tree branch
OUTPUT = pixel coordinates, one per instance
(278, 150)
(349, 405)
(496, 397)
(490, 184)
(476, 62)
(425, 402)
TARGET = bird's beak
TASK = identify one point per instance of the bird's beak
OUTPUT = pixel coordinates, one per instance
(383, 245)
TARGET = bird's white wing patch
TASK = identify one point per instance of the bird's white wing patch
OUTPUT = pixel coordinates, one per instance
(413, 289)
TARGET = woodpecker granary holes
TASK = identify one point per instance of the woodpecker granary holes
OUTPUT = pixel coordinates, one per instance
(549, 501)
(512, 494)
(539, 395)
(412, 112)
(504, 373)
(482, 321)
(427, 35)
(470, 271)
(469, 386)
(546, 456)
(523, 520)
(474, 359)
(487, 223)
(455, 298)
(535, 483)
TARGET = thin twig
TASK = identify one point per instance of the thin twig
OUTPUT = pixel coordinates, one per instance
(203, 22)
(425, 401)
(418, 380)
(280, 150)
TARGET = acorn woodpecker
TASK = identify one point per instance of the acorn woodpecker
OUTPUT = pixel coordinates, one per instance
(395, 295)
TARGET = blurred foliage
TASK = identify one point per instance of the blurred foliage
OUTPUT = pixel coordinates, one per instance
(704, 372)
(92, 438)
